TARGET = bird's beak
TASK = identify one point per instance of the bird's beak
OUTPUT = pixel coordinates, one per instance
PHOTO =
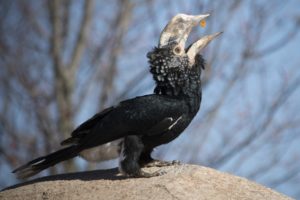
(178, 30)
(199, 45)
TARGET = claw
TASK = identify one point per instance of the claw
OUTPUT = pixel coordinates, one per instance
(143, 174)
(159, 163)
(176, 162)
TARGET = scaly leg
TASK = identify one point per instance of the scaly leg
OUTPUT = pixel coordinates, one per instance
(132, 148)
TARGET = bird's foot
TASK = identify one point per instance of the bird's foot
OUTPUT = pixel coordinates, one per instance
(160, 163)
(143, 174)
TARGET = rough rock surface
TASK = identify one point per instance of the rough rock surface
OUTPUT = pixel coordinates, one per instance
(180, 182)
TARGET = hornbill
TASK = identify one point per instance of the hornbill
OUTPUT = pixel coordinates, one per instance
(133, 128)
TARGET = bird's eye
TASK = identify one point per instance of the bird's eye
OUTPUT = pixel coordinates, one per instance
(177, 50)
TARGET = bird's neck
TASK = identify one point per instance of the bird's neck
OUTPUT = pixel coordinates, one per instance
(175, 77)
(186, 85)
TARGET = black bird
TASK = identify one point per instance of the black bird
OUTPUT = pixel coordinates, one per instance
(132, 129)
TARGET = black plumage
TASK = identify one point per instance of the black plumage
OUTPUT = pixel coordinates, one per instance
(136, 126)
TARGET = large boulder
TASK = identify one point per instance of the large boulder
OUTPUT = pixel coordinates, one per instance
(180, 182)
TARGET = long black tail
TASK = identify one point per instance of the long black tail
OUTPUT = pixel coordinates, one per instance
(37, 165)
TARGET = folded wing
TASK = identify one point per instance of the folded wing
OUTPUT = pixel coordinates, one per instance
(146, 115)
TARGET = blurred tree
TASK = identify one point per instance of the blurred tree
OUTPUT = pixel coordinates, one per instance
(62, 61)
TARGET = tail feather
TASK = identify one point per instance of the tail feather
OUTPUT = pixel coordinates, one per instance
(39, 164)
(70, 141)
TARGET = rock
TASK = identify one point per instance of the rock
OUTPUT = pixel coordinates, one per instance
(180, 182)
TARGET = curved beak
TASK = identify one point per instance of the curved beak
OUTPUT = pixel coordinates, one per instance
(199, 45)
(179, 28)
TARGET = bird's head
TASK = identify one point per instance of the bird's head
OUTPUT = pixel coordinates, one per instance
(172, 60)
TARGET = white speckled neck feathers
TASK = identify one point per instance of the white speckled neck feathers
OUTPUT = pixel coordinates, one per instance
(172, 73)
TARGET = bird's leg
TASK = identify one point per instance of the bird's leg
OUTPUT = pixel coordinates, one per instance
(132, 148)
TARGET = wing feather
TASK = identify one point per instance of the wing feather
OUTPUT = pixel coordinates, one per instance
(150, 114)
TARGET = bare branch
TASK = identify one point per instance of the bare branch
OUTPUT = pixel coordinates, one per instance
(122, 21)
(82, 37)
(279, 44)
(258, 132)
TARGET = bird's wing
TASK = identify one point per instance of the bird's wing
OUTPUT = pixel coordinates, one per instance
(83, 129)
(87, 125)
(149, 115)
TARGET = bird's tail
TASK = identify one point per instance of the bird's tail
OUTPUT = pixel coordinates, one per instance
(37, 165)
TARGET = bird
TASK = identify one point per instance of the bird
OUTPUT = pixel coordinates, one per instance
(134, 127)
